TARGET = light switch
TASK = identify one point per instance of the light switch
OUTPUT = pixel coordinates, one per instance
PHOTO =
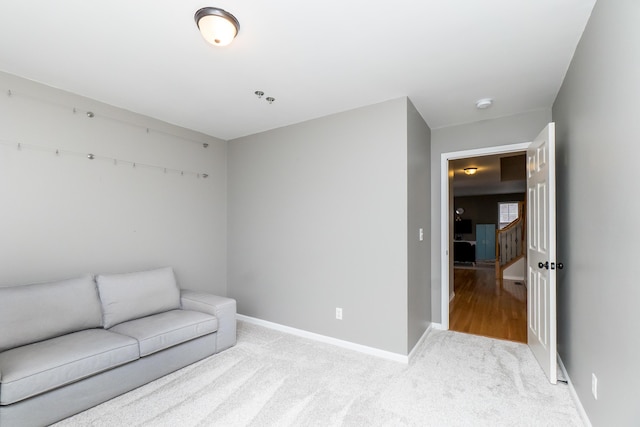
(421, 234)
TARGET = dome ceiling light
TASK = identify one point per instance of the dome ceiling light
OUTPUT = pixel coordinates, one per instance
(218, 27)
(470, 171)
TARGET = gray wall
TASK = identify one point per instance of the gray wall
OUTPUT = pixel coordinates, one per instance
(488, 133)
(483, 209)
(318, 220)
(64, 215)
(598, 130)
(419, 215)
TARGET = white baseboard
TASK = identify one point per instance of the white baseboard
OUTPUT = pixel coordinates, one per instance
(325, 339)
(422, 338)
(574, 395)
(437, 326)
(517, 278)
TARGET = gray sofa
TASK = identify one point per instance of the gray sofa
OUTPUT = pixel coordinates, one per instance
(69, 345)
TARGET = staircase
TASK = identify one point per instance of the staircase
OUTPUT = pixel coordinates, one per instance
(510, 243)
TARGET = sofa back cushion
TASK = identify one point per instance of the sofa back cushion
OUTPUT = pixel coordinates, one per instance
(135, 295)
(32, 313)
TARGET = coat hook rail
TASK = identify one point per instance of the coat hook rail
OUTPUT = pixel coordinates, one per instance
(20, 146)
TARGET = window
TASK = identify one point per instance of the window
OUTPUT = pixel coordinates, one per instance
(507, 213)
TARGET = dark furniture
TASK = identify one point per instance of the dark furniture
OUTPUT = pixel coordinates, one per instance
(464, 251)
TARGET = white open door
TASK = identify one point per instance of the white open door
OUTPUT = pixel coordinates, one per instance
(541, 252)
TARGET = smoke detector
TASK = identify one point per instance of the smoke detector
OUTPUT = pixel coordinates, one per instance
(484, 103)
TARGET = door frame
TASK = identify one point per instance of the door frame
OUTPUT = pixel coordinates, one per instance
(446, 208)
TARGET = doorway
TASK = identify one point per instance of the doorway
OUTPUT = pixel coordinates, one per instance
(489, 294)
(447, 206)
(541, 242)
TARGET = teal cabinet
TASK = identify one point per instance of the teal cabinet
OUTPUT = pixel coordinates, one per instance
(485, 242)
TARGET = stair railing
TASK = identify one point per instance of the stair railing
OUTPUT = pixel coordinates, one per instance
(510, 243)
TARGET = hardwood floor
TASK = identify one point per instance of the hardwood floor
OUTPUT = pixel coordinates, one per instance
(485, 306)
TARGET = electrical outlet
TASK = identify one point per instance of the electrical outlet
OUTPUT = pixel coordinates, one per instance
(594, 386)
(338, 313)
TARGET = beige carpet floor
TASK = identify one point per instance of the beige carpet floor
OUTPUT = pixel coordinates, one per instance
(272, 378)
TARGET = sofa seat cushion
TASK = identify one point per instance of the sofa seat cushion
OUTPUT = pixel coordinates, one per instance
(36, 368)
(164, 330)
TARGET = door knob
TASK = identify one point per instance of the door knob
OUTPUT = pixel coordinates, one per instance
(560, 265)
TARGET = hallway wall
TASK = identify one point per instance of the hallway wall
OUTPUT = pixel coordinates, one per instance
(596, 115)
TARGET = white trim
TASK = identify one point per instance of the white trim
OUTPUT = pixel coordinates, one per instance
(437, 326)
(325, 339)
(574, 395)
(444, 213)
(444, 240)
(422, 338)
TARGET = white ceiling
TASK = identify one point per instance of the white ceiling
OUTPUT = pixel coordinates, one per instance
(315, 57)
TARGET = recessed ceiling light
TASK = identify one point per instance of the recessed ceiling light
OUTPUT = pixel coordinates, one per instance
(483, 103)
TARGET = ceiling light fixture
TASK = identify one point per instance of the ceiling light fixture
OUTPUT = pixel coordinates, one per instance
(218, 27)
(484, 103)
(470, 171)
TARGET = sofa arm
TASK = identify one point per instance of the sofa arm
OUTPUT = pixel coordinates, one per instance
(223, 308)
